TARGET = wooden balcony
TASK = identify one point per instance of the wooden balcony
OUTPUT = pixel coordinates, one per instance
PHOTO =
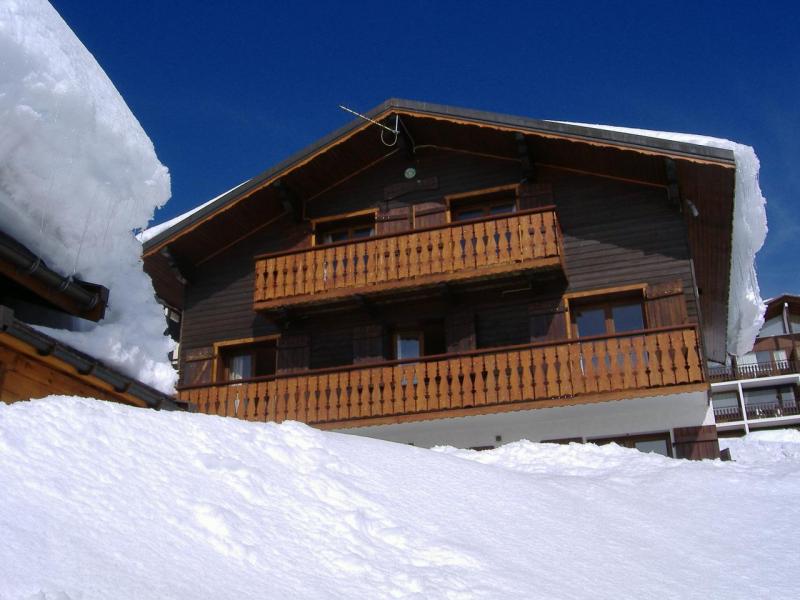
(659, 361)
(488, 247)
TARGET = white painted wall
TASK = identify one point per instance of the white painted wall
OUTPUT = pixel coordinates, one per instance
(588, 421)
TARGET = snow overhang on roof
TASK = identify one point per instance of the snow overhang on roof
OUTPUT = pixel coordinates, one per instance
(571, 131)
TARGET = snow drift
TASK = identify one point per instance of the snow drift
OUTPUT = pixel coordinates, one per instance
(77, 175)
(104, 501)
(746, 308)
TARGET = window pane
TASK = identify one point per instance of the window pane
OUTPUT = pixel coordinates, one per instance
(362, 232)
(627, 317)
(408, 346)
(591, 322)
(240, 366)
(761, 396)
(725, 399)
(334, 236)
(474, 213)
(499, 209)
(656, 446)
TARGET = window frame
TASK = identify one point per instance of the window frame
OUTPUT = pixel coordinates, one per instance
(220, 367)
(484, 200)
(607, 299)
(406, 332)
(347, 222)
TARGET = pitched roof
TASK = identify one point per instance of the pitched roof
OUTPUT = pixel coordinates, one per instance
(571, 131)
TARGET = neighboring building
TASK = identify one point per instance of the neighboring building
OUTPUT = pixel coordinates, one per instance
(472, 279)
(32, 363)
(760, 389)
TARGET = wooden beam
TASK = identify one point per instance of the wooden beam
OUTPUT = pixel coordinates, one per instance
(290, 201)
(178, 267)
(673, 190)
(525, 158)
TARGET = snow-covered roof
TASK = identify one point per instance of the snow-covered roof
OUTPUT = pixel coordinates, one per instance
(77, 176)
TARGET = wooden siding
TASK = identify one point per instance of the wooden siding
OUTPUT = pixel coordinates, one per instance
(25, 375)
(480, 381)
(614, 233)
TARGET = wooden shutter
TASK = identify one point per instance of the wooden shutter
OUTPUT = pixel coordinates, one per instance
(696, 443)
(547, 322)
(429, 214)
(460, 330)
(393, 220)
(368, 344)
(197, 365)
(665, 304)
(293, 353)
(535, 195)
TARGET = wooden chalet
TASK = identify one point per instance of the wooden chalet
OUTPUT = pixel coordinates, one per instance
(473, 279)
(34, 364)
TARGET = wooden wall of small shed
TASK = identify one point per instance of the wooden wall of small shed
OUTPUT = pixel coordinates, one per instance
(615, 233)
(23, 377)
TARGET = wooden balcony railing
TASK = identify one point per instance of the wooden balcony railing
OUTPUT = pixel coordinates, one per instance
(466, 249)
(754, 370)
(491, 380)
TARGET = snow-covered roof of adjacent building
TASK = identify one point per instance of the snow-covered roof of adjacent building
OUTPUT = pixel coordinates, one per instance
(77, 176)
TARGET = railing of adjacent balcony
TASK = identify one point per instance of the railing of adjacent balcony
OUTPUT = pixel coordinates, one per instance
(753, 370)
(657, 358)
(762, 410)
(453, 251)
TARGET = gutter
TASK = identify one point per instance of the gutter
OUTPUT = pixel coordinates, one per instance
(85, 365)
(29, 264)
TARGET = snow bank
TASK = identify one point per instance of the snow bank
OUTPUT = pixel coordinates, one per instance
(106, 501)
(77, 175)
(759, 447)
(745, 306)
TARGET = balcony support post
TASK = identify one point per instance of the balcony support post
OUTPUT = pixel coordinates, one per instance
(742, 407)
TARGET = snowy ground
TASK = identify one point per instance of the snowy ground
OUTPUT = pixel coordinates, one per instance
(105, 501)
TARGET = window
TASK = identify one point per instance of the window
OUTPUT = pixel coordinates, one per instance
(607, 316)
(238, 361)
(657, 443)
(423, 340)
(482, 205)
(342, 230)
(408, 344)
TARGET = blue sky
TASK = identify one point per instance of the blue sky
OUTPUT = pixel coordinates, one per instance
(227, 89)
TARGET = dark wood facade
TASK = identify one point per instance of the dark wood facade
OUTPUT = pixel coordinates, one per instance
(612, 225)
